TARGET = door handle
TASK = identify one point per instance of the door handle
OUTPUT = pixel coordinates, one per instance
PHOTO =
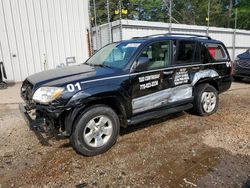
(196, 68)
(167, 72)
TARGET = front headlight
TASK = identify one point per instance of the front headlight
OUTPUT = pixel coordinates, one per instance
(45, 95)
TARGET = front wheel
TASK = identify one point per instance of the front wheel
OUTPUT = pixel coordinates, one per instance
(206, 100)
(95, 131)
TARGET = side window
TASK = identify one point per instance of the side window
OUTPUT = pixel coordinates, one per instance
(217, 52)
(187, 52)
(158, 54)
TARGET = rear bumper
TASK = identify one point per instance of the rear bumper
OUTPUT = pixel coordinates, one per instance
(33, 122)
(224, 84)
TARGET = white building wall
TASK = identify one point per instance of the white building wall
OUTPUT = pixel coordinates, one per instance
(133, 28)
(36, 35)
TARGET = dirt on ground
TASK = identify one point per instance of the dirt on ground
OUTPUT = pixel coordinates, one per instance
(180, 150)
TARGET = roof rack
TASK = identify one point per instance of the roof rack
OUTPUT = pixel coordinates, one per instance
(174, 34)
(191, 35)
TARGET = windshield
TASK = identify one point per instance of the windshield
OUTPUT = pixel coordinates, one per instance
(115, 55)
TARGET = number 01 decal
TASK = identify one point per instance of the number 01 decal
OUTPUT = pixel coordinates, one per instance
(72, 87)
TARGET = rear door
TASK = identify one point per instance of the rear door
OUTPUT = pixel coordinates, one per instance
(189, 58)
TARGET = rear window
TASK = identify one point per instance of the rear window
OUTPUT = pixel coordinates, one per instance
(217, 52)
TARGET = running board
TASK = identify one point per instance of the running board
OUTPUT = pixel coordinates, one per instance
(158, 113)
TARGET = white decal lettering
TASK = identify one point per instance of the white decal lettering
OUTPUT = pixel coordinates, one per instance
(78, 86)
(181, 77)
(72, 88)
(149, 85)
(148, 78)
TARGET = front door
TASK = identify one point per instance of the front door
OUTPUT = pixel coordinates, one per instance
(150, 83)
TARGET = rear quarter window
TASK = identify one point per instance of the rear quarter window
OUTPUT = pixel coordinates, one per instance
(217, 52)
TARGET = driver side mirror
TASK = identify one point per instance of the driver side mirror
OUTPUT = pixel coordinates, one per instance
(142, 63)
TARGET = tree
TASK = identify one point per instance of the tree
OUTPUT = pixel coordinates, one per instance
(222, 12)
(244, 15)
(148, 10)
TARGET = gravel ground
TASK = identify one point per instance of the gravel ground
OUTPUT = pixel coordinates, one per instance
(180, 150)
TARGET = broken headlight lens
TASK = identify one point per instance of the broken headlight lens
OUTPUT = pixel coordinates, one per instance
(45, 95)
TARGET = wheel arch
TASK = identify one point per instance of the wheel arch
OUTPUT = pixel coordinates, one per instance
(209, 81)
(114, 102)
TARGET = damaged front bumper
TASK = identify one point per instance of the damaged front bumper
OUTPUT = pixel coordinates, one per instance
(33, 122)
(37, 125)
(42, 121)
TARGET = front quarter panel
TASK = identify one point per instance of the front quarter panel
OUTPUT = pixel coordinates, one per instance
(101, 89)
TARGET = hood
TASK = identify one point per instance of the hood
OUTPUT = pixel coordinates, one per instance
(245, 55)
(64, 75)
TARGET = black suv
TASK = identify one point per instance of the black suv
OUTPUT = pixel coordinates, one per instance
(242, 66)
(128, 82)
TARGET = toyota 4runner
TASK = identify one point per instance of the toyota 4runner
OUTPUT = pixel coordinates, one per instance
(125, 83)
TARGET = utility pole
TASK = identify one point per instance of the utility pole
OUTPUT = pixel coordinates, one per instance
(96, 29)
(170, 16)
(230, 12)
(208, 16)
(90, 35)
(120, 14)
(235, 28)
(236, 18)
(109, 24)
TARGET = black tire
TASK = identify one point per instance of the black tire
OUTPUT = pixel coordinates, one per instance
(237, 79)
(199, 103)
(3, 85)
(78, 138)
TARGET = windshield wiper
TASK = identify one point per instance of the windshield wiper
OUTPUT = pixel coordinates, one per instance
(102, 65)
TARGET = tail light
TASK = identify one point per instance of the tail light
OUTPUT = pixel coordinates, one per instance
(232, 68)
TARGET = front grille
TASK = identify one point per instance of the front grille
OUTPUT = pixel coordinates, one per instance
(244, 64)
(26, 91)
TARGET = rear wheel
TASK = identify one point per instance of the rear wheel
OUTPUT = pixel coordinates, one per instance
(206, 100)
(95, 131)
